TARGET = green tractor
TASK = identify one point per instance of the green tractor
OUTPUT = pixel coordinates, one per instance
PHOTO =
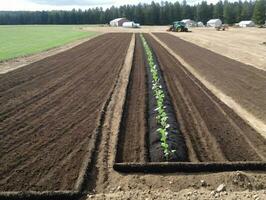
(178, 26)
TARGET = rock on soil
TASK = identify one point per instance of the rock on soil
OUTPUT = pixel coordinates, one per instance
(221, 188)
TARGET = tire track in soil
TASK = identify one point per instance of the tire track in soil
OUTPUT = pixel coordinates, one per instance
(225, 129)
(51, 129)
(132, 145)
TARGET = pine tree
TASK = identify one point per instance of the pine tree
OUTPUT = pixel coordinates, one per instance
(218, 10)
(260, 12)
(245, 11)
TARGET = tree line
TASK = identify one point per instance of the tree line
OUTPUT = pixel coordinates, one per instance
(146, 14)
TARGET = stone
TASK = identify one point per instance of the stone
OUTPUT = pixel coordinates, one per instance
(119, 188)
(203, 183)
(90, 196)
(217, 195)
(221, 188)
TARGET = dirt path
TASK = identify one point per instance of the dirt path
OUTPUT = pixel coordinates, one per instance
(186, 194)
(49, 112)
(106, 148)
(216, 133)
(240, 86)
(132, 144)
(242, 44)
(16, 63)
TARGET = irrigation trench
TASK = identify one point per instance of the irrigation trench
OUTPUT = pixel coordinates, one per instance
(55, 91)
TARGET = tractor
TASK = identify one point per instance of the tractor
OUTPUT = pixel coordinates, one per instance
(178, 26)
(222, 27)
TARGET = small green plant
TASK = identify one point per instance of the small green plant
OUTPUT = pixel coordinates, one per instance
(158, 93)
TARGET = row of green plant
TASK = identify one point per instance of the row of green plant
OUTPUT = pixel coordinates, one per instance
(158, 93)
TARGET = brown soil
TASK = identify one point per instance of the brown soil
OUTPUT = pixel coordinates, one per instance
(244, 83)
(132, 143)
(213, 132)
(49, 112)
(106, 150)
(107, 183)
(186, 194)
(241, 44)
(110, 184)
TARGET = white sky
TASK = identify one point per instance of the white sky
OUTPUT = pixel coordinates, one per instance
(70, 4)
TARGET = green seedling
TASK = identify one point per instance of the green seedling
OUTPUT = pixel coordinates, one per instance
(161, 117)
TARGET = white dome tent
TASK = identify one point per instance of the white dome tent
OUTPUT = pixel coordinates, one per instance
(118, 22)
(130, 25)
(246, 23)
(189, 22)
(214, 23)
(200, 24)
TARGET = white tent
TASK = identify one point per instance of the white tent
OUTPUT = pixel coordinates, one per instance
(246, 23)
(130, 25)
(200, 24)
(189, 22)
(214, 23)
(118, 22)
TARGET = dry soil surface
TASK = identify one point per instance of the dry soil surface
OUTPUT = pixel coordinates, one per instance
(186, 194)
(49, 113)
(242, 44)
(246, 45)
(109, 184)
(244, 84)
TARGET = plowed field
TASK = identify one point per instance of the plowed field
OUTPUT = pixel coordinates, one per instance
(132, 146)
(49, 112)
(95, 100)
(243, 83)
(213, 132)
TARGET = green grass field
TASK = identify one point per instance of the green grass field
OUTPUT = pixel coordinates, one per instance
(16, 41)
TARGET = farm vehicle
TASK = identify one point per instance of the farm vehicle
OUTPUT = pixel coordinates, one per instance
(222, 27)
(178, 26)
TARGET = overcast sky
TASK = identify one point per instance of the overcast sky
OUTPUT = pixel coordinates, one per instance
(70, 4)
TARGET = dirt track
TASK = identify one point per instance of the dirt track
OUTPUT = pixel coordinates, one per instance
(242, 44)
(49, 112)
(243, 83)
(212, 130)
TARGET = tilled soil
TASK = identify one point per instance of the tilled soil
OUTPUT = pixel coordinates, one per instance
(244, 83)
(110, 184)
(213, 131)
(132, 143)
(49, 111)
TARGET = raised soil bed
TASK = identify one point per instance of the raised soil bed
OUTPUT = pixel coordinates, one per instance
(217, 139)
